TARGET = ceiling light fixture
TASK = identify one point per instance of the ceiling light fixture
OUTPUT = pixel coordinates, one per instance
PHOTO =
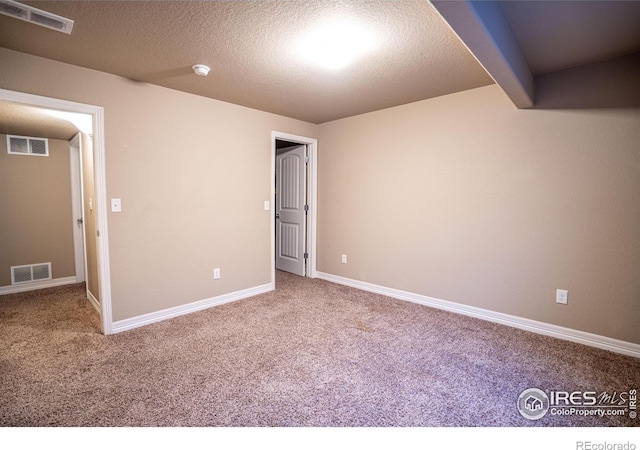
(37, 16)
(336, 44)
(201, 69)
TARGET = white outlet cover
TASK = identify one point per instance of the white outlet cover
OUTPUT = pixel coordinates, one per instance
(116, 205)
(562, 296)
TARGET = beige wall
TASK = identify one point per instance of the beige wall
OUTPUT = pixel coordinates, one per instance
(192, 174)
(35, 211)
(467, 199)
(88, 208)
(461, 197)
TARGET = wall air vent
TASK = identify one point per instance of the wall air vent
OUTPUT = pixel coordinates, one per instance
(31, 272)
(34, 15)
(22, 145)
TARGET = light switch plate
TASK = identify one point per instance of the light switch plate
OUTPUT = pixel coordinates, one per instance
(116, 205)
(266, 205)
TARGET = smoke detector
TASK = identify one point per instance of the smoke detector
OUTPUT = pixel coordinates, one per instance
(34, 15)
(201, 69)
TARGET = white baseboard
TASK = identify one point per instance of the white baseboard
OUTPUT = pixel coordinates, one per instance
(34, 285)
(568, 334)
(146, 319)
(94, 301)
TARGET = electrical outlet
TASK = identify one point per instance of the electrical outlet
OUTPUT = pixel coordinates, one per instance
(562, 296)
(344, 259)
(116, 205)
(216, 274)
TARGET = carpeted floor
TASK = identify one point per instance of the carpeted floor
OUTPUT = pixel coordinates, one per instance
(311, 353)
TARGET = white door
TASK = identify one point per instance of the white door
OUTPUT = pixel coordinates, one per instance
(291, 186)
(75, 155)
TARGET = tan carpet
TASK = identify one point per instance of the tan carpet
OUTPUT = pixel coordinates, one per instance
(311, 353)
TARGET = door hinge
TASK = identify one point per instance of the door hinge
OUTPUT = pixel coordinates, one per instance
(306, 160)
(306, 255)
(306, 208)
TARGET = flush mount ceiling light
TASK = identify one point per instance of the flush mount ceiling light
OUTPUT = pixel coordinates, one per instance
(336, 44)
(201, 69)
(37, 16)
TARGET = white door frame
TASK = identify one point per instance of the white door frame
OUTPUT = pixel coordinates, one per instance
(106, 319)
(312, 196)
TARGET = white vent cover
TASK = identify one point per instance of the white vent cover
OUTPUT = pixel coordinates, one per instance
(22, 145)
(31, 272)
(34, 15)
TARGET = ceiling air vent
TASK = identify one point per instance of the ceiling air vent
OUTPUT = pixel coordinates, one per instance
(14, 9)
(34, 15)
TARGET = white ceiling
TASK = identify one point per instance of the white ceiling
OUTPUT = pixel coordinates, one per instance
(251, 47)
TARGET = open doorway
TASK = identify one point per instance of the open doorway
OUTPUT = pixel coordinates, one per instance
(292, 207)
(294, 197)
(96, 114)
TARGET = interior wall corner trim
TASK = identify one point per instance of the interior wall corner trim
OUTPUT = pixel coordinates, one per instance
(567, 334)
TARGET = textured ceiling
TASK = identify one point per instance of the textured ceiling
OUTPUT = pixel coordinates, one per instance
(252, 49)
(24, 120)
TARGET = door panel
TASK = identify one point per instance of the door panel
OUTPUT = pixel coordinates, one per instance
(75, 154)
(289, 234)
(90, 227)
(290, 213)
